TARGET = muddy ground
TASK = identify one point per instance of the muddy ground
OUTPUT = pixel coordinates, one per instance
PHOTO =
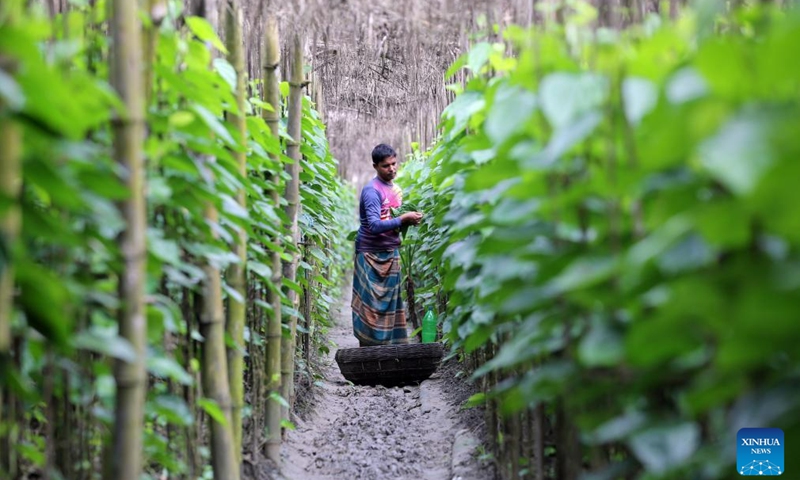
(359, 432)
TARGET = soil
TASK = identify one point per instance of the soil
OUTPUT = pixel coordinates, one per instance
(360, 432)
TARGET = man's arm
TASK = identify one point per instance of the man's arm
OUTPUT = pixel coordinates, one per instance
(372, 207)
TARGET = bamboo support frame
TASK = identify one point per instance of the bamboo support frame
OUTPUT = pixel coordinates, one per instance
(273, 362)
(126, 460)
(292, 196)
(214, 371)
(237, 273)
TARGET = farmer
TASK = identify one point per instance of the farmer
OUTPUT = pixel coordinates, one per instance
(378, 314)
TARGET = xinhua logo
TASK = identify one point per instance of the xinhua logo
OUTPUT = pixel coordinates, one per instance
(759, 451)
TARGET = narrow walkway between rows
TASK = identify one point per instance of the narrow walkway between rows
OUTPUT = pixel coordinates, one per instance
(360, 432)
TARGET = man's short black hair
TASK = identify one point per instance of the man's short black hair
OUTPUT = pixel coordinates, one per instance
(382, 152)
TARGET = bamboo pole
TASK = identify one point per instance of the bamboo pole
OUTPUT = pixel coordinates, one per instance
(214, 369)
(10, 223)
(253, 366)
(292, 211)
(236, 274)
(187, 311)
(212, 326)
(307, 306)
(538, 442)
(273, 97)
(131, 378)
(10, 182)
(568, 456)
(156, 10)
(214, 374)
(514, 443)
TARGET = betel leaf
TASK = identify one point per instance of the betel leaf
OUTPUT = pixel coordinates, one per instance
(640, 97)
(686, 85)
(212, 409)
(511, 108)
(180, 118)
(475, 400)
(164, 249)
(226, 71)
(11, 94)
(232, 293)
(260, 269)
(602, 347)
(214, 123)
(291, 312)
(478, 56)
(292, 285)
(560, 102)
(166, 367)
(45, 300)
(456, 66)
(564, 139)
(104, 342)
(463, 108)
(31, 453)
(276, 397)
(205, 32)
(174, 409)
(287, 424)
(663, 448)
(618, 428)
(740, 153)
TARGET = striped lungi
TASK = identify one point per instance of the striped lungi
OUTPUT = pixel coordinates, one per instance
(379, 317)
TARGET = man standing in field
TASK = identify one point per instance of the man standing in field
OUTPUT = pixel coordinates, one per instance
(379, 317)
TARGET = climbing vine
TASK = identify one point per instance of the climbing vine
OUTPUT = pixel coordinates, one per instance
(610, 224)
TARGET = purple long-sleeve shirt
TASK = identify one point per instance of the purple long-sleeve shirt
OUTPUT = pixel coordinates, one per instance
(379, 232)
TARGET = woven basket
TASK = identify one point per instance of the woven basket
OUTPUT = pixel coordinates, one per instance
(390, 365)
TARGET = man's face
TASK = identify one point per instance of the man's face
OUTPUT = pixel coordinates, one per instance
(386, 168)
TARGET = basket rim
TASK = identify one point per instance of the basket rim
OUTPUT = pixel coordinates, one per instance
(386, 352)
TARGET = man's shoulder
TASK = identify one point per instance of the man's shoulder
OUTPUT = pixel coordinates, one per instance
(369, 188)
(369, 191)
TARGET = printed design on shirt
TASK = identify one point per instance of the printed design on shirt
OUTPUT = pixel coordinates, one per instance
(391, 197)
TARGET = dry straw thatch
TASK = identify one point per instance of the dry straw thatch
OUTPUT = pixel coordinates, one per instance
(376, 67)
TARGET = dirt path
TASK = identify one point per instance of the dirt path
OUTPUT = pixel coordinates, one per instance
(371, 433)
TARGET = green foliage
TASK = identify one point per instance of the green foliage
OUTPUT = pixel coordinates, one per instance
(68, 270)
(617, 216)
(326, 215)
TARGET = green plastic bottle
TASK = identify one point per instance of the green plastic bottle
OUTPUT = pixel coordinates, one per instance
(429, 324)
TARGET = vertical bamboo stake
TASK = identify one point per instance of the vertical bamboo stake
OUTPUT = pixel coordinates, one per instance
(10, 223)
(10, 182)
(273, 97)
(125, 463)
(236, 274)
(214, 368)
(538, 442)
(308, 305)
(514, 440)
(187, 312)
(212, 325)
(156, 10)
(293, 210)
(253, 367)
(526, 451)
(568, 457)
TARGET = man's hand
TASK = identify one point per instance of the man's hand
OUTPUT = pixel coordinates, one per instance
(411, 218)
